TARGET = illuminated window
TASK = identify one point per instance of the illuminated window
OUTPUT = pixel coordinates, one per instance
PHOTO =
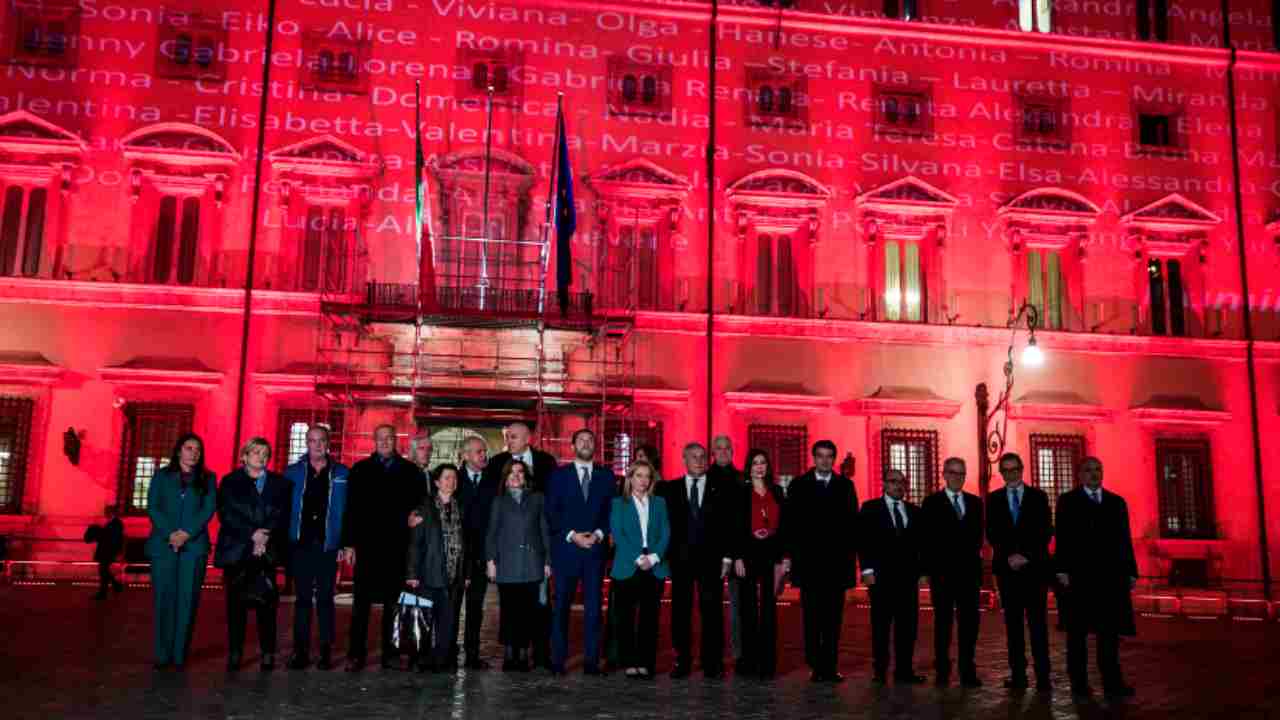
(151, 430)
(1055, 462)
(904, 282)
(786, 446)
(1046, 286)
(15, 438)
(1035, 15)
(624, 437)
(176, 241)
(22, 227)
(292, 426)
(915, 454)
(1166, 297)
(1184, 483)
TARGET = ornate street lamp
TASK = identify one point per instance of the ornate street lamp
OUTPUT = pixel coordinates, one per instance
(992, 430)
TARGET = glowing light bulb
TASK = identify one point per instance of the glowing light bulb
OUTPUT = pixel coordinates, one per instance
(1032, 356)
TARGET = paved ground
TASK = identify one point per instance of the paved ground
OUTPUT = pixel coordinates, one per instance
(69, 657)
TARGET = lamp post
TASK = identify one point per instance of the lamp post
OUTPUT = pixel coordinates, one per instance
(993, 423)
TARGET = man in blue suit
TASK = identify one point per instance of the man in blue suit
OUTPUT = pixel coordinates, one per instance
(578, 502)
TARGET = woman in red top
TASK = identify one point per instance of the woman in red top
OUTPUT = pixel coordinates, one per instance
(758, 556)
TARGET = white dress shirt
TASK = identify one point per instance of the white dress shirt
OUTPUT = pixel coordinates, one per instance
(642, 510)
(823, 478)
(578, 468)
(891, 505)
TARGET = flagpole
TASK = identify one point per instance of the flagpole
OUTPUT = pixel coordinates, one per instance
(419, 194)
(551, 193)
(484, 233)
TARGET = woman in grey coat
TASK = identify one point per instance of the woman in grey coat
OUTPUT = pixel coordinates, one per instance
(516, 550)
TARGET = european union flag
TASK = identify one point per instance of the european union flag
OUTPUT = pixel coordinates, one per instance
(566, 217)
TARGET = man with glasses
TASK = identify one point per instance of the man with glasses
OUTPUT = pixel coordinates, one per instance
(952, 520)
(1019, 530)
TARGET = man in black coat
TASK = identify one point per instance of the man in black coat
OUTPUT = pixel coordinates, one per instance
(384, 488)
(890, 555)
(1097, 568)
(1019, 528)
(701, 513)
(952, 523)
(110, 538)
(542, 464)
(723, 472)
(475, 497)
(820, 533)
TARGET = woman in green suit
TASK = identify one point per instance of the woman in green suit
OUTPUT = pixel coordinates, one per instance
(180, 502)
(641, 532)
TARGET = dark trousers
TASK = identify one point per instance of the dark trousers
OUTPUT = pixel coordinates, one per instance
(238, 618)
(366, 594)
(591, 575)
(542, 626)
(637, 600)
(955, 601)
(475, 594)
(443, 624)
(710, 591)
(822, 609)
(1025, 596)
(1108, 658)
(758, 608)
(106, 579)
(517, 606)
(895, 608)
(314, 570)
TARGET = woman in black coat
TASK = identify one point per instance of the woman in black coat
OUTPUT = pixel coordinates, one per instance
(517, 550)
(437, 563)
(253, 512)
(758, 560)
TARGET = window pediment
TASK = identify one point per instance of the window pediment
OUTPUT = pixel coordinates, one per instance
(180, 145)
(906, 209)
(1172, 213)
(25, 134)
(324, 169)
(781, 201)
(639, 179)
(1047, 219)
(508, 172)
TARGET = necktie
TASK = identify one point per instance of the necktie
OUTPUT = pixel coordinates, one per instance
(1096, 496)
(955, 503)
(584, 481)
(899, 522)
(1015, 503)
(693, 496)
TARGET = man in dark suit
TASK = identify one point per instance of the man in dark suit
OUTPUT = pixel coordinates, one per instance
(723, 472)
(700, 510)
(577, 506)
(1097, 568)
(110, 539)
(1019, 529)
(383, 489)
(820, 530)
(890, 555)
(951, 525)
(475, 497)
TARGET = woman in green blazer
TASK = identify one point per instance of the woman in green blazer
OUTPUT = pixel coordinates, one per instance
(641, 533)
(180, 502)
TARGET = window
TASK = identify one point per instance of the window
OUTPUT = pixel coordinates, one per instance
(1042, 122)
(1167, 299)
(45, 33)
(1055, 460)
(1035, 15)
(335, 64)
(22, 225)
(191, 47)
(637, 89)
(775, 99)
(1046, 286)
(15, 438)
(1184, 483)
(903, 112)
(623, 438)
(904, 282)
(631, 265)
(786, 445)
(901, 9)
(481, 69)
(151, 430)
(915, 453)
(1153, 19)
(777, 292)
(324, 250)
(292, 425)
(176, 241)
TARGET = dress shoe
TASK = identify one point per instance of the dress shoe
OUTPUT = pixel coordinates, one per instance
(326, 659)
(970, 681)
(475, 663)
(233, 662)
(298, 662)
(355, 664)
(268, 662)
(910, 679)
(679, 672)
(1117, 692)
(1016, 683)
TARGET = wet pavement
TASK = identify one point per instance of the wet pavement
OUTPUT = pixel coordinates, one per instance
(68, 656)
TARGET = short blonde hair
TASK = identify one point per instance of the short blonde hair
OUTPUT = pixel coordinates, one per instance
(631, 472)
(255, 442)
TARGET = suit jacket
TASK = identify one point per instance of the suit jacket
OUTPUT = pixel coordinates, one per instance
(728, 474)
(544, 464)
(475, 502)
(518, 538)
(242, 510)
(744, 542)
(821, 531)
(1095, 550)
(894, 555)
(170, 509)
(567, 511)
(951, 547)
(717, 521)
(1029, 537)
(625, 521)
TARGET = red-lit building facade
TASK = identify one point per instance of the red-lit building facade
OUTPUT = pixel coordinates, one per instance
(796, 220)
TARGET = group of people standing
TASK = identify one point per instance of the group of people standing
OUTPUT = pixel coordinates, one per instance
(542, 531)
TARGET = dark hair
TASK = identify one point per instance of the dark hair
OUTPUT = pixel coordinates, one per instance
(651, 454)
(823, 444)
(506, 471)
(1010, 456)
(751, 458)
(439, 471)
(581, 431)
(199, 474)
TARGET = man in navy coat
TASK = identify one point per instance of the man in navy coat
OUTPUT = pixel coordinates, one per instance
(578, 500)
